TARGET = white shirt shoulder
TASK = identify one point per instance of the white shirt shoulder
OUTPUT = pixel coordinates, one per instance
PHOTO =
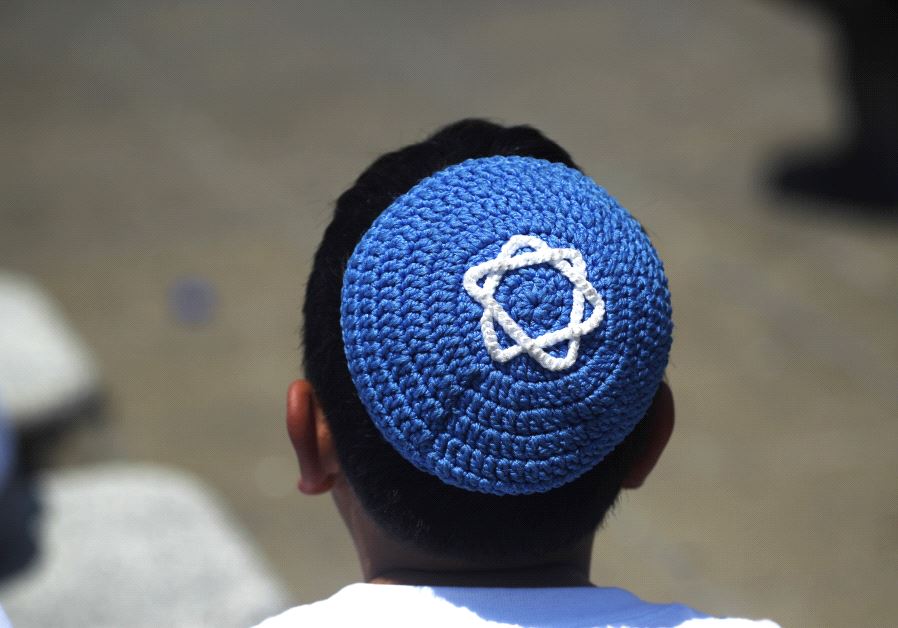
(396, 606)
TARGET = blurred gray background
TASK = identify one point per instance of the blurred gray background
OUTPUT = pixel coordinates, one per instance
(146, 143)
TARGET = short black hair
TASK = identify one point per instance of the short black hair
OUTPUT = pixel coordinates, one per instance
(409, 504)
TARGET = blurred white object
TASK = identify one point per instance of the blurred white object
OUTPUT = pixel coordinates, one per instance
(134, 545)
(45, 368)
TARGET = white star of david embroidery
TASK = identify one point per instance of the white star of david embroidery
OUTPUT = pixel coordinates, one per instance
(567, 261)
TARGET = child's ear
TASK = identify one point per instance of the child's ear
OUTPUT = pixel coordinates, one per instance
(311, 437)
(660, 423)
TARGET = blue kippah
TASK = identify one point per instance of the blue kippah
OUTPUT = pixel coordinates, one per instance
(506, 324)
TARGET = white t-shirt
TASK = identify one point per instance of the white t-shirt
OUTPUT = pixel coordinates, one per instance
(397, 606)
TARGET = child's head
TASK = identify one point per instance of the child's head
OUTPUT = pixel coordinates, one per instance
(484, 355)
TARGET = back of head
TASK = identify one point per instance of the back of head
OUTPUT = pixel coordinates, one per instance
(445, 492)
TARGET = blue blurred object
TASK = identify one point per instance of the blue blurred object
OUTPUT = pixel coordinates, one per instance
(193, 300)
(7, 449)
(19, 508)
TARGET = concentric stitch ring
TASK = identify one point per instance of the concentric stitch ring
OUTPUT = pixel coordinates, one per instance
(466, 400)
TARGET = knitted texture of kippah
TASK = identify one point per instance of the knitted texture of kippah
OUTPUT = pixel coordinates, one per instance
(506, 324)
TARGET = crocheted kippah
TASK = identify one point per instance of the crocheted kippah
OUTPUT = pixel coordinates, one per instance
(506, 324)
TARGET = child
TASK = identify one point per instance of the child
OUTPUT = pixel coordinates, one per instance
(486, 332)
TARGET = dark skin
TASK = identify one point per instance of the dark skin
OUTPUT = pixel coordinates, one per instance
(385, 560)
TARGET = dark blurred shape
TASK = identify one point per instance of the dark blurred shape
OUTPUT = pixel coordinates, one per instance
(19, 510)
(18, 507)
(864, 169)
(193, 301)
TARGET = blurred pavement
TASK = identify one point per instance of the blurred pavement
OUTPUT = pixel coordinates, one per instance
(157, 143)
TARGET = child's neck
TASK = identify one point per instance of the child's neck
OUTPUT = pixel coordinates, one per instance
(385, 560)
